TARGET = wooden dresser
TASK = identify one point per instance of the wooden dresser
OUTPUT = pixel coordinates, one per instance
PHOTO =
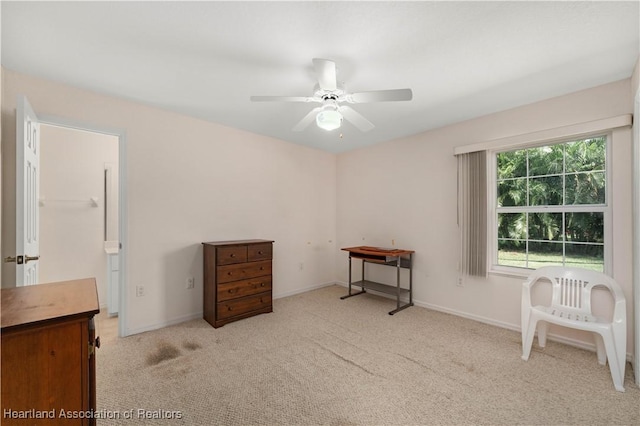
(48, 353)
(237, 280)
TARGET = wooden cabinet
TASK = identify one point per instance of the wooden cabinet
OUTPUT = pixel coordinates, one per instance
(48, 359)
(237, 280)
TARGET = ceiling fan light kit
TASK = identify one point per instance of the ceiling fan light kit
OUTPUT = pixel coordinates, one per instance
(329, 119)
(330, 94)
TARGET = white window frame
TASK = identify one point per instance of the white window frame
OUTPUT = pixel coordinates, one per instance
(492, 222)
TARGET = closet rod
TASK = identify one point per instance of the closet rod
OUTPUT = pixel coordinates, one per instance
(93, 201)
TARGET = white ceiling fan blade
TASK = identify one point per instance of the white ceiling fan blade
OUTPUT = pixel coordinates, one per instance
(326, 73)
(381, 96)
(306, 120)
(356, 118)
(282, 99)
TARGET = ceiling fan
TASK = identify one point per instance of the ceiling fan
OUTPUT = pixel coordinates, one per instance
(332, 96)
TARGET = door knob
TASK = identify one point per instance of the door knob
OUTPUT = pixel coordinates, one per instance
(9, 259)
(28, 258)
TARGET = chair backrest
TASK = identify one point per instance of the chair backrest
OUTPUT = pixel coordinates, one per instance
(572, 286)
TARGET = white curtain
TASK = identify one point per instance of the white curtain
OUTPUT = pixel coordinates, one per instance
(472, 212)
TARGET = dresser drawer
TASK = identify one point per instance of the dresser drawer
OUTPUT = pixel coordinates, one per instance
(243, 271)
(243, 305)
(231, 254)
(235, 289)
(257, 252)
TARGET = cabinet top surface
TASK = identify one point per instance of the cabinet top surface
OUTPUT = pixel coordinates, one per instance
(36, 303)
(377, 251)
(236, 242)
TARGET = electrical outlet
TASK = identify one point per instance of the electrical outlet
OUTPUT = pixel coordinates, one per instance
(460, 282)
(139, 290)
(191, 282)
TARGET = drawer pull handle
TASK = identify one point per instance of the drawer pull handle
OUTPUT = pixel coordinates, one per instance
(260, 252)
(229, 273)
(262, 268)
(229, 307)
(233, 255)
(231, 291)
(261, 284)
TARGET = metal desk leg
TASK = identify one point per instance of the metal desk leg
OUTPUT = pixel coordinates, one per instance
(350, 281)
(411, 278)
(398, 283)
(349, 275)
(410, 303)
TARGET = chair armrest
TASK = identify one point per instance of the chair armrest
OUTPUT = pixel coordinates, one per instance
(532, 281)
(619, 309)
(525, 304)
(619, 301)
(529, 282)
(527, 285)
(617, 292)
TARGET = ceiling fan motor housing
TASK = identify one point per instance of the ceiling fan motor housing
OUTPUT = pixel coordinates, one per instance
(323, 94)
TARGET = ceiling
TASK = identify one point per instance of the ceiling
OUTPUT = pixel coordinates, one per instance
(205, 59)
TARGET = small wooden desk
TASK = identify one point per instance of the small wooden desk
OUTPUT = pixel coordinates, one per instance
(399, 258)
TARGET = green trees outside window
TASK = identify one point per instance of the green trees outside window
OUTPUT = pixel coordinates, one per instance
(551, 204)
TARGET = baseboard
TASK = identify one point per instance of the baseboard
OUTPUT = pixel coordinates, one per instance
(302, 290)
(163, 324)
(550, 336)
(473, 317)
(105, 311)
(199, 314)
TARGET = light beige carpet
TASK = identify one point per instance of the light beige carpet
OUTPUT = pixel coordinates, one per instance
(321, 360)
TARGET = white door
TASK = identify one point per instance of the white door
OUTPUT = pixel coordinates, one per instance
(27, 190)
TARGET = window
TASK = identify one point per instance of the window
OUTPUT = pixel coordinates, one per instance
(551, 205)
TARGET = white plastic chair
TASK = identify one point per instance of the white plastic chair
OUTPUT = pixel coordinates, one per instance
(571, 307)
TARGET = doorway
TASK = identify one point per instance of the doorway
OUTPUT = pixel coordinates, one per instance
(80, 214)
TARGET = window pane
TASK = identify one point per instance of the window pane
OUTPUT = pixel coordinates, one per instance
(588, 256)
(545, 226)
(512, 192)
(512, 164)
(544, 254)
(585, 227)
(545, 191)
(585, 188)
(565, 177)
(512, 253)
(586, 155)
(546, 160)
(512, 226)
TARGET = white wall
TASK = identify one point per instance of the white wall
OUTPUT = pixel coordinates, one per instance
(405, 190)
(71, 227)
(190, 181)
